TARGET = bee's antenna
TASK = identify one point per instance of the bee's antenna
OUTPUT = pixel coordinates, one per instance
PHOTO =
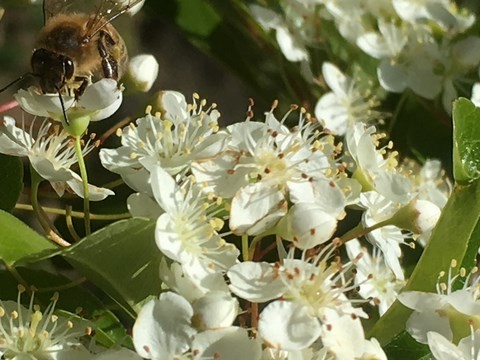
(20, 78)
(108, 20)
(62, 104)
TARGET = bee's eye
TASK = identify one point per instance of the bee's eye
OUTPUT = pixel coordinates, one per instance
(68, 68)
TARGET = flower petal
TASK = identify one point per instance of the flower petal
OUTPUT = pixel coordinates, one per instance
(288, 326)
(163, 327)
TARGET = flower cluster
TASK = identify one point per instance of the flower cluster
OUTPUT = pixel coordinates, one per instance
(288, 182)
(278, 237)
(29, 333)
(262, 182)
(447, 317)
(423, 46)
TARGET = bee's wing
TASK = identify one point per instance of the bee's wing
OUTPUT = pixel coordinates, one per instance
(108, 10)
(54, 7)
(105, 12)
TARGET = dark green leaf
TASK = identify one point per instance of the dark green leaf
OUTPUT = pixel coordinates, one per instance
(403, 346)
(11, 183)
(121, 259)
(18, 241)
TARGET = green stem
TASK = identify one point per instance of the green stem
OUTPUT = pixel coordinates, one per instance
(83, 174)
(70, 226)
(67, 286)
(396, 113)
(16, 275)
(245, 250)
(77, 214)
(359, 230)
(36, 179)
(253, 245)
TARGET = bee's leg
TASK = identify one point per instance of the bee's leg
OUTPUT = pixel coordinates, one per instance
(109, 64)
(81, 89)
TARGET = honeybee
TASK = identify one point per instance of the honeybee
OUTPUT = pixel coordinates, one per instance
(74, 47)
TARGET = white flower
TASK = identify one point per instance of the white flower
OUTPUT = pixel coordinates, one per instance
(256, 208)
(142, 71)
(163, 329)
(375, 280)
(343, 336)
(431, 183)
(185, 232)
(232, 343)
(349, 17)
(51, 155)
(426, 215)
(312, 220)
(388, 43)
(174, 278)
(373, 351)
(376, 169)
(261, 163)
(408, 58)
(346, 104)
(440, 11)
(117, 354)
(135, 9)
(215, 310)
(99, 101)
(448, 312)
(476, 94)
(309, 291)
(33, 335)
(387, 238)
(143, 205)
(288, 326)
(289, 42)
(179, 135)
(442, 349)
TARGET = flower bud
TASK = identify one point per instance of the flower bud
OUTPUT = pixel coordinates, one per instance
(142, 72)
(418, 216)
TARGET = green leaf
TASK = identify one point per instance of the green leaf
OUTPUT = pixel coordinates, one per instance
(450, 239)
(466, 141)
(121, 259)
(18, 241)
(197, 17)
(403, 346)
(11, 183)
(109, 330)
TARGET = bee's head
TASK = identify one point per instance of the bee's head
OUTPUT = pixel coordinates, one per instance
(53, 69)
